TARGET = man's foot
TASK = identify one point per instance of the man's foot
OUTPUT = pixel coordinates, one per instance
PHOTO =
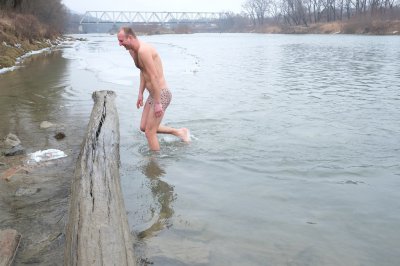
(184, 134)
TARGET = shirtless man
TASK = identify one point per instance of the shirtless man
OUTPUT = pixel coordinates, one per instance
(151, 78)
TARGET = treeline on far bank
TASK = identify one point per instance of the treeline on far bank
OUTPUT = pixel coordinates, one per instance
(348, 16)
(27, 25)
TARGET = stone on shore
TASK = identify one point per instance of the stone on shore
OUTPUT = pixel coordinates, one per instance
(17, 150)
(47, 124)
(28, 191)
(11, 146)
(59, 135)
(10, 141)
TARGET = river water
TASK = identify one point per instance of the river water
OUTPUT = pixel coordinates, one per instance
(295, 149)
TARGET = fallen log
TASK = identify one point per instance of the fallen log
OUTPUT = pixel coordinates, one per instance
(97, 231)
(9, 242)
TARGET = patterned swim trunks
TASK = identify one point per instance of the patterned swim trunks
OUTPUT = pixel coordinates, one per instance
(165, 96)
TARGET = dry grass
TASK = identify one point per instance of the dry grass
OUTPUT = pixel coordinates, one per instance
(371, 26)
(329, 28)
(20, 34)
(354, 26)
(270, 29)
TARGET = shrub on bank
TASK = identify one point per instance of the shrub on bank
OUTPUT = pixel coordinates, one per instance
(356, 25)
(370, 25)
(21, 33)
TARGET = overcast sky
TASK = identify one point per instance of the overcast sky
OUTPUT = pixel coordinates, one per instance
(82, 6)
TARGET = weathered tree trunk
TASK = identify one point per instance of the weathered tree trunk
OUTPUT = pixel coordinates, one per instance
(9, 242)
(97, 230)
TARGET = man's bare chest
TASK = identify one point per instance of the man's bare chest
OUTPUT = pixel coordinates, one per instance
(137, 61)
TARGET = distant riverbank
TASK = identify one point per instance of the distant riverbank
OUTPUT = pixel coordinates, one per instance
(359, 27)
(22, 34)
(367, 27)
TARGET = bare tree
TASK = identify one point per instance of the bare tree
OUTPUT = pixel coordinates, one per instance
(11, 4)
(296, 12)
(250, 8)
(257, 10)
(318, 4)
(262, 7)
(275, 10)
(302, 12)
(50, 12)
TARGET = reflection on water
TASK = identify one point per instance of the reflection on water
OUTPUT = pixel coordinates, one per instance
(35, 202)
(36, 93)
(162, 192)
(152, 169)
(296, 156)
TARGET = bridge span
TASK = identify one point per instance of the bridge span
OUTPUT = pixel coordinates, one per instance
(141, 17)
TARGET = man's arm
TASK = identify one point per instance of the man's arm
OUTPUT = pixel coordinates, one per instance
(142, 84)
(141, 90)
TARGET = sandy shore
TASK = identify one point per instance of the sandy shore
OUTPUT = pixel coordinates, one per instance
(34, 200)
(35, 203)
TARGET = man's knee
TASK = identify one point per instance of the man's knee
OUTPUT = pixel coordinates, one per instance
(150, 132)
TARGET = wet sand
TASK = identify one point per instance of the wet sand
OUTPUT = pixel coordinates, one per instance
(35, 200)
(35, 203)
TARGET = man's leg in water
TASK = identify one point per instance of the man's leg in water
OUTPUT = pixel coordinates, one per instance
(182, 133)
(151, 125)
(149, 122)
(145, 113)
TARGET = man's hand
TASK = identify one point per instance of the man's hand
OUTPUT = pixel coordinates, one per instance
(139, 102)
(158, 111)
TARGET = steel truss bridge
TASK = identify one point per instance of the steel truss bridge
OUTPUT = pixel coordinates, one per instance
(138, 17)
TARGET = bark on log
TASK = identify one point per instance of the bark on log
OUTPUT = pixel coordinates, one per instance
(97, 232)
(9, 242)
